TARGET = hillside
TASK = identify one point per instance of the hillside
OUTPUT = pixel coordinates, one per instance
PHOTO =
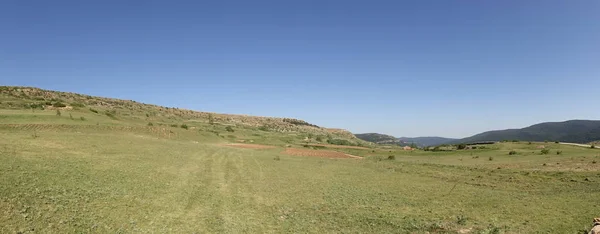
(19, 98)
(575, 131)
(378, 138)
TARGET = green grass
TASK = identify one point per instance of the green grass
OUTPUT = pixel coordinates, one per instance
(105, 175)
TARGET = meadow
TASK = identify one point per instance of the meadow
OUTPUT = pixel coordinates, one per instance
(85, 172)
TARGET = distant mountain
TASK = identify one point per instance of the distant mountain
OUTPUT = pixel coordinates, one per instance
(378, 138)
(426, 141)
(575, 131)
(387, 139)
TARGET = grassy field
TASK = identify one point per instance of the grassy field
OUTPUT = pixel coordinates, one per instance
(97, 175)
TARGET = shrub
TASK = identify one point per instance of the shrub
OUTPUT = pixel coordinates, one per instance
(93, 110)
(147, 115)
(229, 129)
(558, 152)
(77, 104)
(264, 128)
(491, 158)
(59, 104)
(211, 119)
(391, 157)
(339, 142)
(277, 158)
(70, 116)
(529, 143)
(461, 219)
(461, 146)
(110, 114)
(319, 139)
(593, 146)
(58, 113)
(545, 151)
(556, 142)
(150, 124)
(82, 118)
(515, 140)
(174, 125)
(512, 152)
(184, 126)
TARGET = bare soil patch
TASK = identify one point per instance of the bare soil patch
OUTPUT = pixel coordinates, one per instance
(317, 153)
(339, 146)
(250, 146)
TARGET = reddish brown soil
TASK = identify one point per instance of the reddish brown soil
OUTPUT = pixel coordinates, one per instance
(339, 146)
(250, 146)
(317, 153)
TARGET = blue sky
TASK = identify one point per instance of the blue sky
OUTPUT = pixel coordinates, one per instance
(406, 68)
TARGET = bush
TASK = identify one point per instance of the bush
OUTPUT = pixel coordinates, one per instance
(174, 125)
(58, 113)
(461, 146)
(277, 158)
(391, 157)
(545, 151)
(264, 128)
(59, 104)
(82, 118)
(150, 124)
(70, 116)
(556, 142)
(515, 140)
(339, 142)
(111, 114)
(229, 129)
(491, 158)
(319, 139)
(512, 152)
(558, 152)
(529, 143)
(593, 146)
(461, 220)
(184, 126)
(93, 110)
(77, 104)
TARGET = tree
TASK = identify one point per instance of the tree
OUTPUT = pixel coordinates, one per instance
(461, 146)
(211, 119)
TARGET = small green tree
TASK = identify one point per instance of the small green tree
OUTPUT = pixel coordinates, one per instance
(184, 126)
(545, 151)
(461, 146)
(211, 119)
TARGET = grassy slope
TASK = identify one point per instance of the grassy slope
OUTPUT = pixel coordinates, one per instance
(103, 175)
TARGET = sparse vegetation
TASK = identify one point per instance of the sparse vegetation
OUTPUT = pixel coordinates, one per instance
(184, 126)
(59, 104)
(512, 152)
(544, 151)
(558, 152)
(120, 176)
(94, 110)
(82, 118)
(461, 146)
(58, 113)
(229, 129)
(150, 124)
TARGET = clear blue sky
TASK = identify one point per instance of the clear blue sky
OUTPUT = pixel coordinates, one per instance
(406, 68)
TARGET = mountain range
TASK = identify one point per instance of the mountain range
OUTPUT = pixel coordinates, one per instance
(403, 141)
(574, 131)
